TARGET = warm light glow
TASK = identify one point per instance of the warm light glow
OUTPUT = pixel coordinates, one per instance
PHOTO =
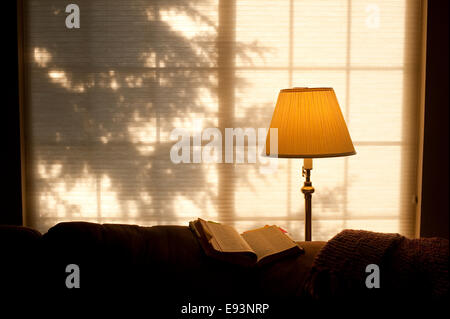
(80, 197)
(186, 25)
(42, 57)
(60, 77)
(310, 125)
(57, 75)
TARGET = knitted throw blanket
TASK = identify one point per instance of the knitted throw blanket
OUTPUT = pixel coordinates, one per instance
(407, 267)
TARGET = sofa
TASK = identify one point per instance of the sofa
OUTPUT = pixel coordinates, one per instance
(165, 265)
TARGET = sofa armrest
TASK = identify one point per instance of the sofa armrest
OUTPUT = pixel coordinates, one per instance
(20, 251)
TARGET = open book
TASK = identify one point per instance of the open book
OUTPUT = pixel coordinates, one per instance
(254, 247)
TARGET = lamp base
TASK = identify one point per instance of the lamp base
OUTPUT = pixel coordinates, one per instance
(308, 190)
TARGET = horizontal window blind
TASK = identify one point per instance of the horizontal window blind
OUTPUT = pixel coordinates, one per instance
(102, 100)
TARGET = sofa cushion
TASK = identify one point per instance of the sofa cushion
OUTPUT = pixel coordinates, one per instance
(159, 265)
(163, 260)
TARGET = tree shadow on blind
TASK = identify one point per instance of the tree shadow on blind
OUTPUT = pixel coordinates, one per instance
(102, 101)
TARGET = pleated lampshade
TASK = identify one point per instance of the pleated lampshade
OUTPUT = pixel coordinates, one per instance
(310, 125)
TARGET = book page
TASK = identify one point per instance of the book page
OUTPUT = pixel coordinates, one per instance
(225, 237)
(268, 241)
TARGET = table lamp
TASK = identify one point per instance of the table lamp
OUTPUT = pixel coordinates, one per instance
(310, 125)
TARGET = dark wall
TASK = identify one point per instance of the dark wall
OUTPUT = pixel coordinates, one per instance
(434, 217)
(11, 208)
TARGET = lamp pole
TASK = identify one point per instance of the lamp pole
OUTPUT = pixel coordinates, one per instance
(308, 190)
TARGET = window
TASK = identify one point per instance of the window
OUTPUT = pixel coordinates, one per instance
(102, 101)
